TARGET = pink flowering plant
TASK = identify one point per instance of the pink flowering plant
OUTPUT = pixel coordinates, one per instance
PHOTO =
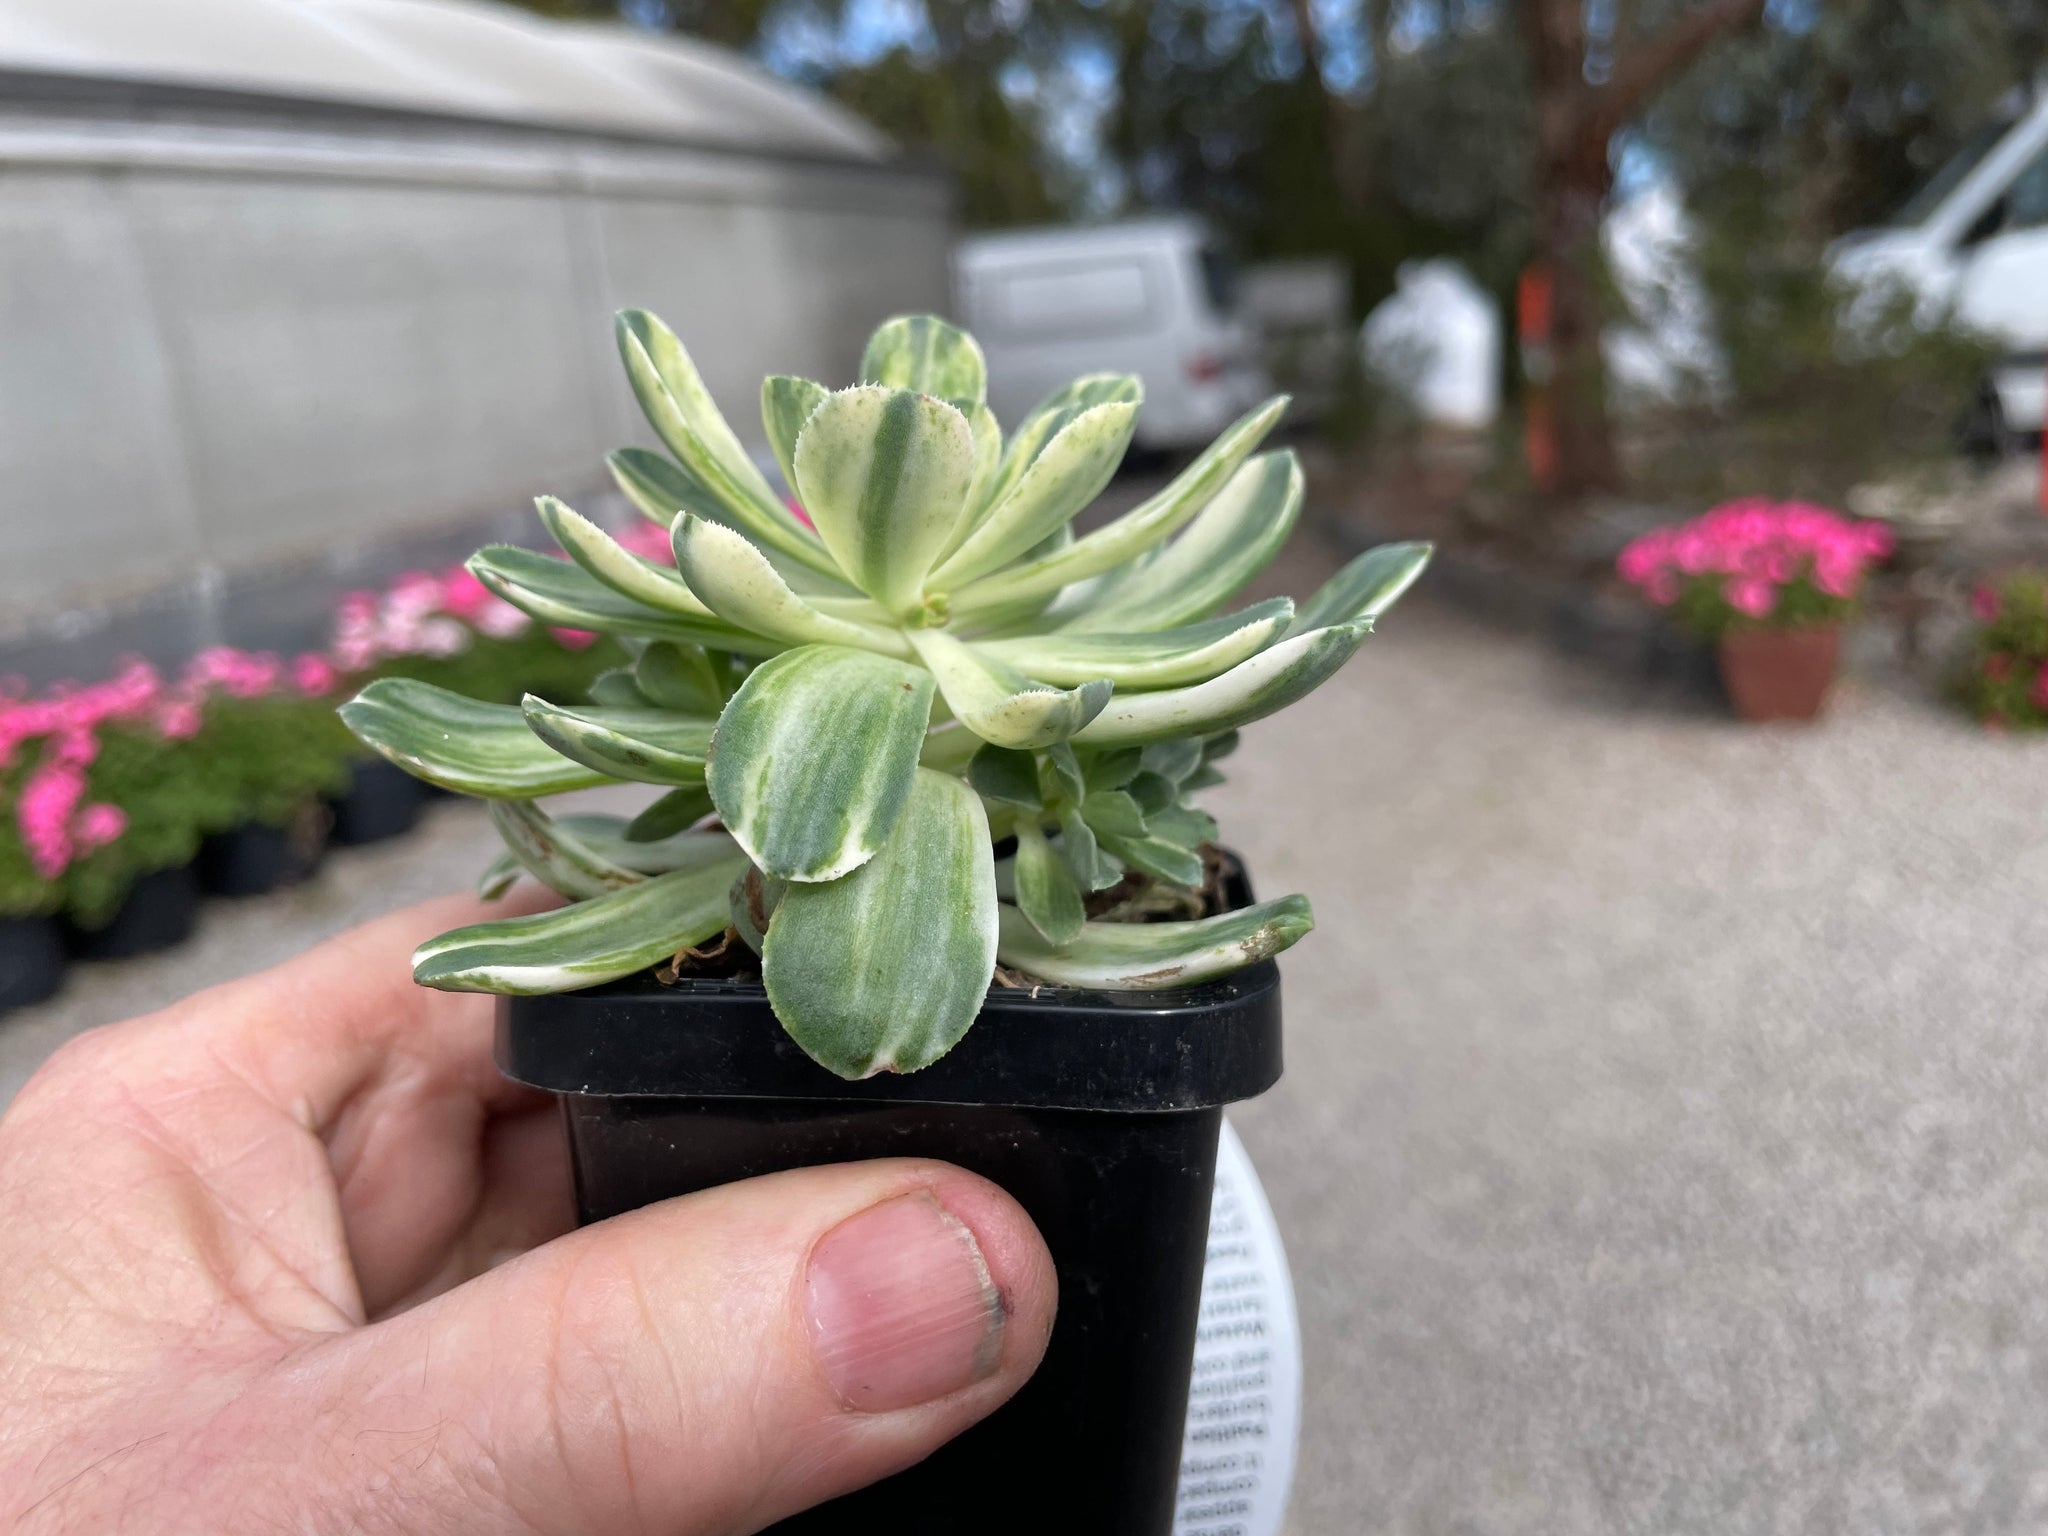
(2004, 681)
(1756, 563)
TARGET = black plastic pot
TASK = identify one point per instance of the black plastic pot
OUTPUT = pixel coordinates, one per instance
(1098, 1111)
(256, 859)
(158, 913)
(382, 801)
(31, 960)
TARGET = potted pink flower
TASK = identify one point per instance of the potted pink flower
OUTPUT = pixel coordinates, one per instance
(1769, 584)
(2005, 681)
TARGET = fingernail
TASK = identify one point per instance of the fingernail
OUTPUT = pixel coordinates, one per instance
(902, 1307)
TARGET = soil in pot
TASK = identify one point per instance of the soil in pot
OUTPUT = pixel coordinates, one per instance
(256, 859)
(382, 801)
(1780, 674)
(1099, 1112)
(158, 913)
(31, 960)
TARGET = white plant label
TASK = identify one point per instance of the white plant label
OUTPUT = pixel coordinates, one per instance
(1244, 1409)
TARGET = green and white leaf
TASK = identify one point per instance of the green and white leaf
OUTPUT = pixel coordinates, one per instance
(1005, 775)
(885, 969)
(988, 459)
(1249, 691)
(586, 943)
(460, 743)
(1055, 412)
(1046, 891)
(554, 855)
(1158, 518)
(611, 837)
(617, 690)
(684, 416)
(1233, 538)
(924, 353)
(499, 876)
(1160, 659)
(644, 746)
(814, 756)
(1154, 856)
(557, 592)
(735, 581)
(1093, 869)
(610, 562)
(659, 487)
(669, 816)
(680, 677)
(1066, 475)
(786, 404)
(998, 703)
(1367, 587)
(1148, 957)
(1173, 760)
(884, 473)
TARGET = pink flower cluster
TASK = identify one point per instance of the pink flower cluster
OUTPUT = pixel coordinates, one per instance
(1754, 549)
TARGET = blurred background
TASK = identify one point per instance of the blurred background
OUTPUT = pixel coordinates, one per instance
(1659, 1150)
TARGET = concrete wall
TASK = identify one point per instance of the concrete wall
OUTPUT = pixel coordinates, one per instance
(246, 364)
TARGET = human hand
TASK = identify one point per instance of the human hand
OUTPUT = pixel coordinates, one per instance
(291, 1255)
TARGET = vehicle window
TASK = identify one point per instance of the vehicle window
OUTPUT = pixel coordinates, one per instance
(2027, 202)
(1920, 207)
(1219, 279)
(1073, 298)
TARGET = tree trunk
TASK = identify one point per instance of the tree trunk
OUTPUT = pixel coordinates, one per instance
(1571, 196)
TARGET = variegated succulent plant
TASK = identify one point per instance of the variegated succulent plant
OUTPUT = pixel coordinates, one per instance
(874, 705)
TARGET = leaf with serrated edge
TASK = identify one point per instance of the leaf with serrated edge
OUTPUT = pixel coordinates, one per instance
(1043, 422)
(924, 353)
(736, 582)
(1068, 474)
(1161, 659)
(885, 970)
(1001, 705)
(645, 746)
(988, 458)
(1152, 957)
(461, 743)
(1136, 531)
(583, 944)
(1234, 538)
(604, 557)
(814, 755)
(1249, 691)
(1047, 893)
(679, 677)
(1367, 587)
(554, 855)
(786, 404)
(884, 474)
(557, 592)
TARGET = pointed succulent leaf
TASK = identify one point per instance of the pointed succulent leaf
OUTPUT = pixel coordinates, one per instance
(610, 562)
(814, 758)
(1161, 659)
(1093, 869)
(988, 458)
(658, 487)
(1204, 777)
(499, 876)
(1067, 771)
(998, 703)
(884, 473)
(1111, 767)
(557, 592)
(1150, 957)
(1173, 760)
(679, 677)
(673, 813)
(1249, 691)
(1367, 587)
(999, 773)
(1182, 825)
(583, 944)
(1136, 531)
(1220, 745)
(554, 855)
(1234, 538)
(1154, 792)
(1046, 419)
(1047, 893)
(925, 354)
(1112, 810)
(644, 746)
(684, 416)
(885, 969)
(786, 404)
(1154, 856)
(617, 690)
(1066, 475)
(736, 582)
(461, 743)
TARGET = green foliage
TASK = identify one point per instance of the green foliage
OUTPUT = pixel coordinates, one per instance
(2004, 679)
(266, 758)
(23, 891)
(167, 790)
(944, 666)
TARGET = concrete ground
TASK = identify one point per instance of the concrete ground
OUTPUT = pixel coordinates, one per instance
(1661, 1148)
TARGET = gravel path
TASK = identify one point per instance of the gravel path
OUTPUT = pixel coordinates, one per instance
(1660, 1148)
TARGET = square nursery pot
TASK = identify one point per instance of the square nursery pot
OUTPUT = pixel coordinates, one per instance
(382, 801)
(158, 913)
(1098, 1111)
(31, 960)
(256, 858)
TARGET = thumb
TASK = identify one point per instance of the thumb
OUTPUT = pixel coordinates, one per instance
(705, 1366)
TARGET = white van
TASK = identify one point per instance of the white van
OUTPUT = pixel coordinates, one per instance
(1976, 237)
(1147, 296)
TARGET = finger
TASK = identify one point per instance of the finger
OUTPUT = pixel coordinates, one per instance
(702, 1367)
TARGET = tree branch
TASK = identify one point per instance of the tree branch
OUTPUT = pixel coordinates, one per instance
(1640, 69)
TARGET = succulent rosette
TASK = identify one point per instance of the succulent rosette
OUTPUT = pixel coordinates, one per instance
(878, 694)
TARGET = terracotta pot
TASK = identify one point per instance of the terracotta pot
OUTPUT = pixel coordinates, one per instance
(1780, 674)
